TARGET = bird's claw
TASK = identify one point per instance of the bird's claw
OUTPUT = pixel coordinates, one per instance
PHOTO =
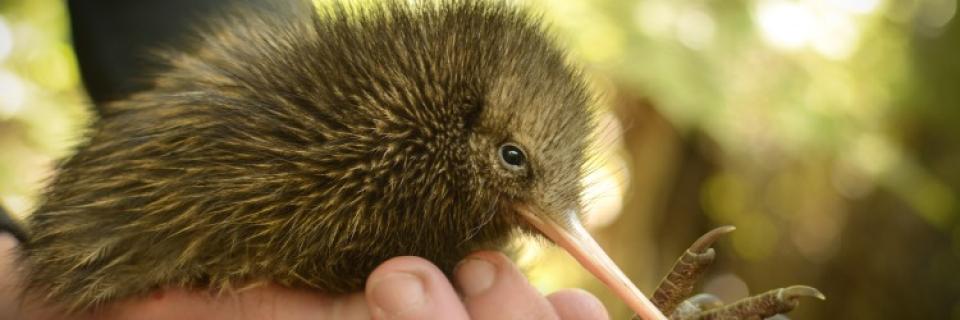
(707, 239)
(761, 306)
(679, 283)
(672, 293)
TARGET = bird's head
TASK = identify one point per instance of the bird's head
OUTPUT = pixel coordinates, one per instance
(508, 126)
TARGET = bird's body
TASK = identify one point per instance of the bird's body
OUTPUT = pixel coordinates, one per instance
(305, 148)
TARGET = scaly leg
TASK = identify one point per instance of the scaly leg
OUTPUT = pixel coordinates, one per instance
(689, 268)
(761, 306)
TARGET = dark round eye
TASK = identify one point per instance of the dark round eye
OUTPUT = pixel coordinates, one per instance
(512, 157)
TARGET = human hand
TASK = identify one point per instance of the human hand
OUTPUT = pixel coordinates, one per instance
(401, 288)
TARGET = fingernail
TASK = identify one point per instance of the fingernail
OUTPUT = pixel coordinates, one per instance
(398, 293)
(475, 276)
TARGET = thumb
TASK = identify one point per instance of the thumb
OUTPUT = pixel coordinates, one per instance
(412, 288)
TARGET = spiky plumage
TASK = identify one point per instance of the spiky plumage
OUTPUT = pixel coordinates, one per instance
(305, 148)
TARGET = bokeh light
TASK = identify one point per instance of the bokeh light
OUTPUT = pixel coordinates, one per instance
(825, 130)
(6, 39)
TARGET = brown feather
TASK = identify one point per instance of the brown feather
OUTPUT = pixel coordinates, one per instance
(305, 148)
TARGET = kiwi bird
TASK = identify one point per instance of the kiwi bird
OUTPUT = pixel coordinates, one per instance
(306, 146)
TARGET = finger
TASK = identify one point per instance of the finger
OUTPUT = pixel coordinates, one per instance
(576, 304)
(412, 288)
(493, 288)
(262, 302)
(8, 278)
(351, 307)
(12, 304)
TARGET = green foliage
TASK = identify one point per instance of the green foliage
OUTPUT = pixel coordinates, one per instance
(831, 133)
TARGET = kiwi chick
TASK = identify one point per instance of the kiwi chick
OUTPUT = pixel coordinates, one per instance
(305, 147)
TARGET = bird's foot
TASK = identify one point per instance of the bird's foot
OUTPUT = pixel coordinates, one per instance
(672, 294)
(767, 305)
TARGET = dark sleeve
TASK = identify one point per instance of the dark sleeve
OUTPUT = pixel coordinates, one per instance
(113, 38)
(7, 224)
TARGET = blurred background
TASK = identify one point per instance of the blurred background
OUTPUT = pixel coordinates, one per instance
(827, 131)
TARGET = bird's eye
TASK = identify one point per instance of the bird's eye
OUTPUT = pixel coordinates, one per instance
(512, 157)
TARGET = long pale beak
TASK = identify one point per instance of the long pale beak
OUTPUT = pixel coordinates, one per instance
(571, 236)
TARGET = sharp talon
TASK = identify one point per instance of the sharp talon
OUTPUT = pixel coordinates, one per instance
(707, 240)
(687, 270)
(670, 295)
(767, 304)
(794, 292)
